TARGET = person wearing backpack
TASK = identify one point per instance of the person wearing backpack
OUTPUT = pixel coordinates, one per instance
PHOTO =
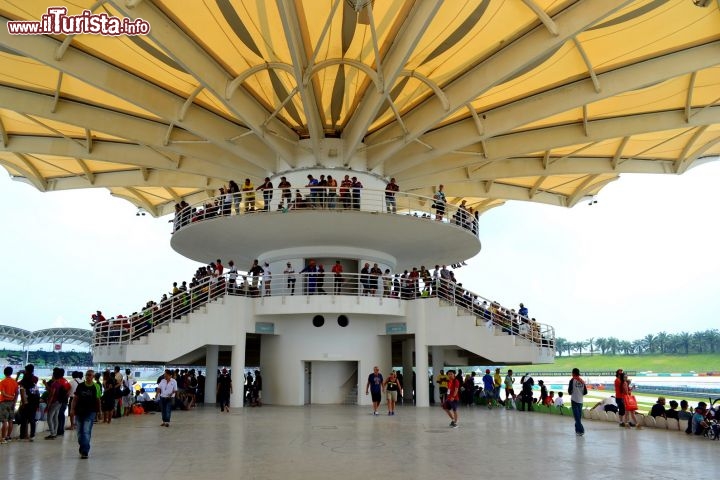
(59, 390)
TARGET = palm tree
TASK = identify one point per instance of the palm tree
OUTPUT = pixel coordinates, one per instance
(713, 339)
(591, 345)
(612, 345)
(698, 342)
(601, 343)
(560, 346)
(683, 340)
(578, 346)
(649, 341)
(662, 340)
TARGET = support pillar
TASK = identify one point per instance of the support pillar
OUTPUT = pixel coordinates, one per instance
(211, 367)
(438, 363)
(422, 395)
(237, 372)
(407, 364)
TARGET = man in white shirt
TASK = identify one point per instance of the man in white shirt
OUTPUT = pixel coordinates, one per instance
(267, 278)
(290, 275)
(166, 389)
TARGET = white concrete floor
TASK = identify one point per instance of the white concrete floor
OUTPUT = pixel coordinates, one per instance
(347, 442)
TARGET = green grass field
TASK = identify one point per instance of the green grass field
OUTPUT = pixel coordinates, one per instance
(640, 363)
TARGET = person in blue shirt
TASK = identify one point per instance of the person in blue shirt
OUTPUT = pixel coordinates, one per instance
(523, 311)
(488, 388)
(374, 386)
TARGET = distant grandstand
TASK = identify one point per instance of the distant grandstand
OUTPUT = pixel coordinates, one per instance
(55, 336)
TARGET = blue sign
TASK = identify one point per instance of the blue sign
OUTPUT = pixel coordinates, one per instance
(393, 328)
(265, 327)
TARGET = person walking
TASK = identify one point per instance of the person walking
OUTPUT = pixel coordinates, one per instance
(167, 389)
(8, 398)
(84, 406)
(577, 390)
(224, 390)
(374, 386)
(393, 388)
(453, 397)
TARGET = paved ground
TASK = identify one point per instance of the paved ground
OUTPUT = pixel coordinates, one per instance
(347, 442)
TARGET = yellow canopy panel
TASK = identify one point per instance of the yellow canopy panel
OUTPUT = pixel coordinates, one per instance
(546, 101)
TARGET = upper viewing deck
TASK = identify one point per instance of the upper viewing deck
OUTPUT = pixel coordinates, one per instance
(401, 231)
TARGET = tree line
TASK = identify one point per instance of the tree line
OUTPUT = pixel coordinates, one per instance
(706, 341)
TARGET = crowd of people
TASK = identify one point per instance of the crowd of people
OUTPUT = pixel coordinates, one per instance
(323, 193)
(89, 398)
(215, 279)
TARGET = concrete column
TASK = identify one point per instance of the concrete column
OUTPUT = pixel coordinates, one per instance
(422, 395)
(211, 367)
(237, 364)
(438, 363)
(407, 364)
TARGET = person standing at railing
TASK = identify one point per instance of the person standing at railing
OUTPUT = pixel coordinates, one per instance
(322, 183)
(364, 280)
(232, 278)
(375, 282)
(331, 192)
(356, 187)
(266, 278)
(286, 194)
(414, 278)
(249, 191)
(225, 202)
(234, 191)
(289, 273)
(523, 311)
(439, 202)
(311, 277)
(345, 187)
(314, 191)
(337, 271)
(267, 191)
(387, 283)
(390, 201)
(255, 271)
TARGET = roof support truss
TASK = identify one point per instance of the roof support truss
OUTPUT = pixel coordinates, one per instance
(561, 99)
(200, 65)
(496, 69)
(137, 91)
(413, 30)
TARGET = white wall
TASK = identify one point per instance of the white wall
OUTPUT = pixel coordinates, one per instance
(329, 384)
(282, 356)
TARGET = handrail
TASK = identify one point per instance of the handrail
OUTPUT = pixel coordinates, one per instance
(322, 198)
(387, 287)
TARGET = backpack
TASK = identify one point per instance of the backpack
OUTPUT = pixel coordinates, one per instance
(61, 394)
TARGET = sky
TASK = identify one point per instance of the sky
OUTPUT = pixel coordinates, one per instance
(643, 259)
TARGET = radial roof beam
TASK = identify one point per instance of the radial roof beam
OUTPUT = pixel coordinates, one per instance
(412, 31)
(113, 152)
(186, 52)
(495, 70)
(533, 166)
(135, 197)
(542, 139)
(291, 26)
(122, 125)
(3, 134)
(138, 179)
(561, 99)
(504, 191)
(138, 91)
(34, 177)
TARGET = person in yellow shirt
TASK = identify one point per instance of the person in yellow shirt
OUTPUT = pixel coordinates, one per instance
(442, 381)
(249, 193)
(497, 383)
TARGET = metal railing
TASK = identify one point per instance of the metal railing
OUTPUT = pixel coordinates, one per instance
(124, 330)
(320, 198)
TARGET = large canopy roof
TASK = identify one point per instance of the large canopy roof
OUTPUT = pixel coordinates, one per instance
(535, 100)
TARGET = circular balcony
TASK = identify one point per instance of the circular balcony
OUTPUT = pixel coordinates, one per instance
(411, 231)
